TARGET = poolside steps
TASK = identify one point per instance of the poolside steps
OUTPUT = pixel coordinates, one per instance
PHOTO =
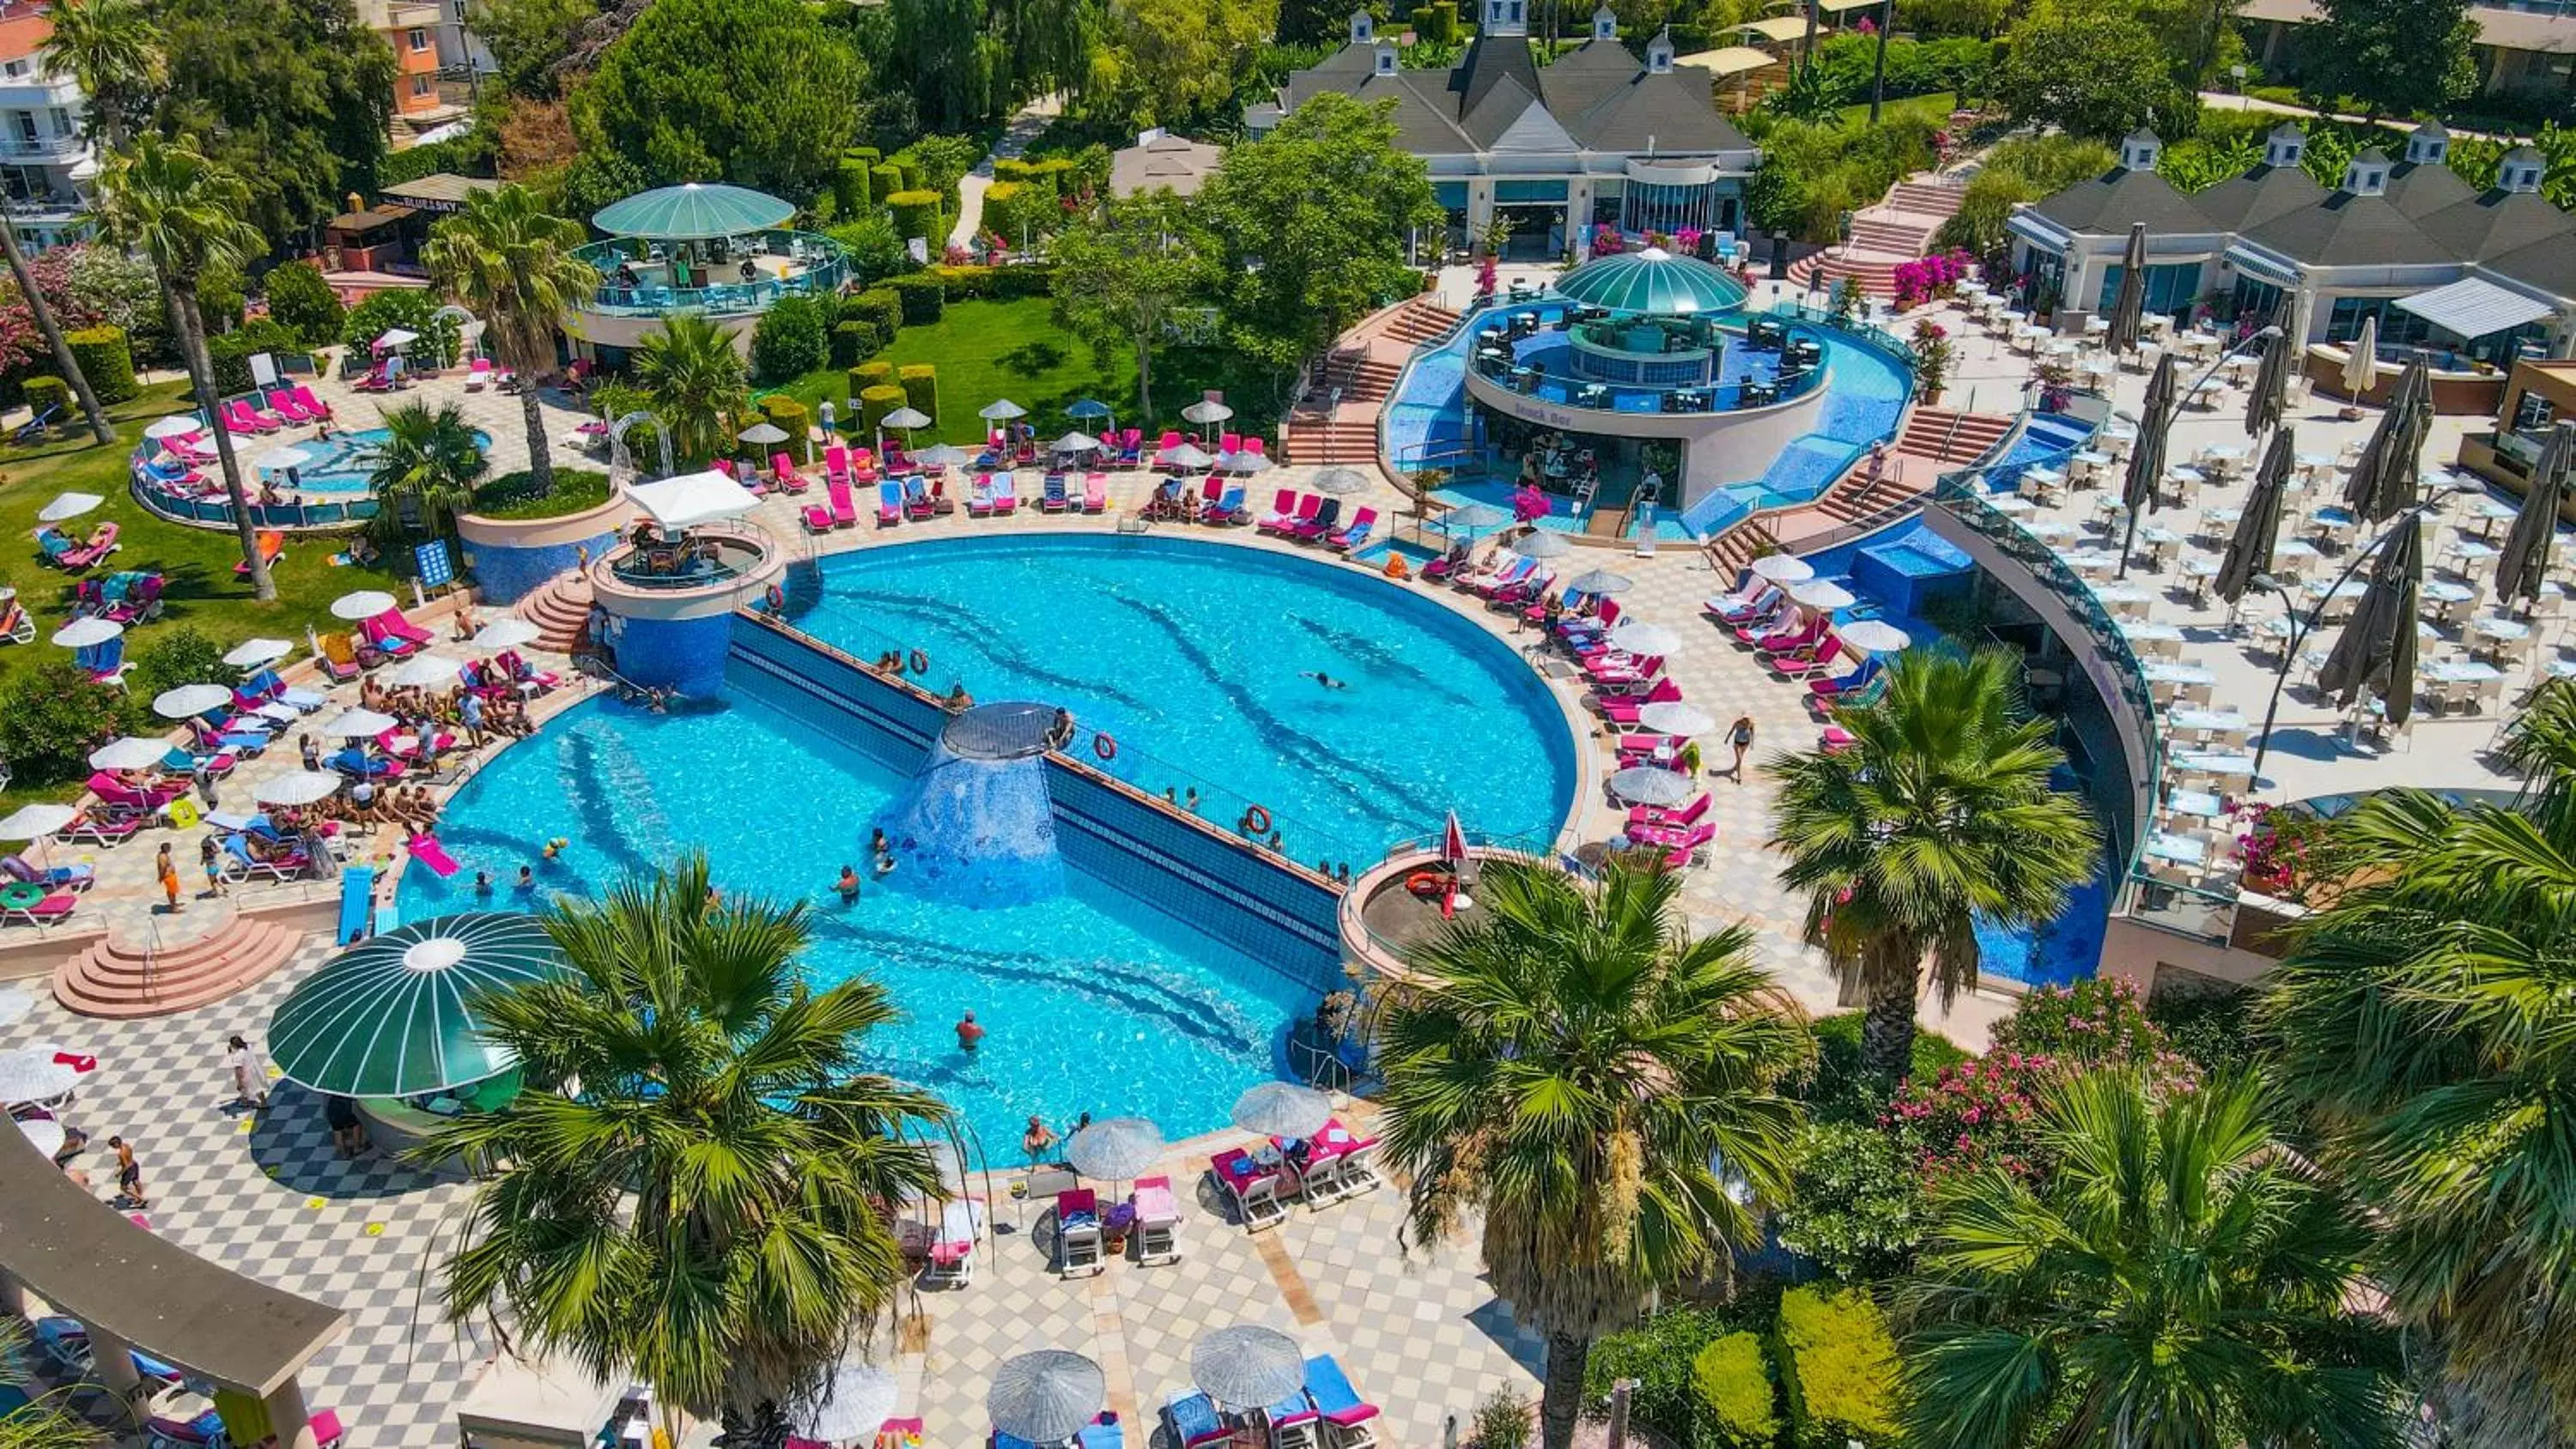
(1332, 442)
(1948, 436)
(1730, 551)
(1418, 321)
(1897, 230)
(561, 610)
(121, 979)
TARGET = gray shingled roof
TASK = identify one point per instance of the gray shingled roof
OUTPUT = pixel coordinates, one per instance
(2112, 203)
(1599, 94)
(2349, 231)
(2496, 223)
(2548, 265)
(2421, 188)
(2258, 196)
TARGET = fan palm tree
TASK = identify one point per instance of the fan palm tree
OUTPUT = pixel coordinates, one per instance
(1571, 1068)
(114, 49)
(185, 214)
(2426, 1016)
(2177, 1282)
(696, 381)
(423, 472)
(512, 265)
(697, 1186)
(1942, 812)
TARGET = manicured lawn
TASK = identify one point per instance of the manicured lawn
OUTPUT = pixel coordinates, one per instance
(196, 563)
(1935, 108)
(987, 350)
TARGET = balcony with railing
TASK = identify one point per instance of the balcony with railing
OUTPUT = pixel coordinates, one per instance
(748, 274)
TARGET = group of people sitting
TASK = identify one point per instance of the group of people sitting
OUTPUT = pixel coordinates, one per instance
(481, 710)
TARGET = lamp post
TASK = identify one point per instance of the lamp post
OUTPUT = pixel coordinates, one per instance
(2130, 538)
(2302, 628)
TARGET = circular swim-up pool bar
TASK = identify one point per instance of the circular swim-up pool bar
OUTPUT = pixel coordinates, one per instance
(1101, 981)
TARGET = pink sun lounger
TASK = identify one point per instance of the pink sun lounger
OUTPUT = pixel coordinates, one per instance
(844, 511)
(427, 850)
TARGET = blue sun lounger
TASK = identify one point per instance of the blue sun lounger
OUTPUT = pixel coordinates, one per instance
(357, 900)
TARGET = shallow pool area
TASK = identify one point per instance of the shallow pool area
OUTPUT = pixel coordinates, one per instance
(1093, 1000)
(1201, 661)
(341, 462)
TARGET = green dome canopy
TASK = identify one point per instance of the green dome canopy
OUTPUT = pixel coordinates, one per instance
(394, 1015)
(696, 210)
(1653, 283)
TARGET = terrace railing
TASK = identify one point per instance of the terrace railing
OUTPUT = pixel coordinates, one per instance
(822, 266)
(705, 556)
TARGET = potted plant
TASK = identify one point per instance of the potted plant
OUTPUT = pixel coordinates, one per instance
(1933, 354)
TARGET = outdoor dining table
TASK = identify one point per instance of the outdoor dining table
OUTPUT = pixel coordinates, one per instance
(2122, 593)
(2444, 591)
(2152, 631)
(2050, 529)
(2096, 325)
(2298, 548)
(2200, 568)
(2158, 533)
(2044, 477)
(2562, 667)
(2223, 513)
(2091, 561)
(2166, 672)
(2195, 802)
(2209, 721)
(2489, 513)
(2008, 503)
(2471, 551)
(2461, 671)
(2180, 849)
(2225, 765)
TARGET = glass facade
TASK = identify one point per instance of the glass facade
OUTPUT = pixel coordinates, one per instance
(2171, 288)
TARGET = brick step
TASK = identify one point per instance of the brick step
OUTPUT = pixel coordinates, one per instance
(122, 980)
(561, 609)
(1926, 198)
(1827, 269)
(1947, 436)
(1889, 234)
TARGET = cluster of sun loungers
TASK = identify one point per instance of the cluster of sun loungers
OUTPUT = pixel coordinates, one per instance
(287, 407)
(1335, 1165)
(1324, 1413)
(1315, 518)
(1797, 643)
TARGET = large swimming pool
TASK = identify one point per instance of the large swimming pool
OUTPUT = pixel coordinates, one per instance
(1198, 659)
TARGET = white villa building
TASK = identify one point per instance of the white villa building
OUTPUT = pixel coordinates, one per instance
(1595, 139)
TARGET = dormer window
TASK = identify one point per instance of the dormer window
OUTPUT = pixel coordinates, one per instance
(2520, 170)
(2140, 150)
(1363, 27)
(2284, 147)
(1659, 53)
(1385, 59)
(1605, 24)
(2429, 145)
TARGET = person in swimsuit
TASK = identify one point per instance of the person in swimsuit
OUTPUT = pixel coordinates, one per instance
(1740, 735)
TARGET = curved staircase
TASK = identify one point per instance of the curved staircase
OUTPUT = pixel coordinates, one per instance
(1336, 421)
(115, 977)
(1884, 237)
(560, 610)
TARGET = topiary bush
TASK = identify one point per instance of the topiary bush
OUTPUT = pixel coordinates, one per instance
(791, 418)
(230, 354)
(106, 361)
(789, 341)
(1732, 1387)
(51, 716)
(884, 181)
(879, 307)
(924, 297)
(1015, 212)
(850, 194)
(876, 402)
(920, 382)
(46, 391)
(867, 375)
(917, 214)
(853, 342)
(1023, 279)
(303, 303)
(1857, 1206)
(1437, 22)
(965, 284)
(1658, 1356)
(1838, 1368)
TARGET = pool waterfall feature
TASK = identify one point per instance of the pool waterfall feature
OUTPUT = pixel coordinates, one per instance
(976, 824)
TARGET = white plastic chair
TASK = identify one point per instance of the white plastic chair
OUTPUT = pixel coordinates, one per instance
(1260, 1204)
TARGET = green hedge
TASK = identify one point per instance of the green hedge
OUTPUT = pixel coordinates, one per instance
(791, 418)
(1731, 1383)
(868, 154)
(850, 193)
(1838, 1368)
(854, 342)
(1015, 212)
(1437, 22)
(878, 307)
(867, 375)
(924, 297)
(876, 402)
(48, 391)
(230, 354)
(920, 388)
(790, 340)
(884, 180)
(1025, 279)
(106, 361)
(917, 214)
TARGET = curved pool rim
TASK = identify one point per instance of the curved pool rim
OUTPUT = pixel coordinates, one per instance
(1359, 579)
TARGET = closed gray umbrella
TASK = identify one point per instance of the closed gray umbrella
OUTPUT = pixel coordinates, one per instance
(2270, 400)
(2130, 306)
(1045, 1397)
(2258, 524)
(2383, 477)
(2361, 365)
(1247, 1366)
(1283, 1109)
(2377, 648)
(1339, 480)
(2147, 454)
(2535, 527)
(1115, 1149)
(1601, 581)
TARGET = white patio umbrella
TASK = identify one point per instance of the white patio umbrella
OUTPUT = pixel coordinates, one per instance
(364, 604)
(1339, 481)
(1599, 581)
(173, 426)
(1207, 410)
(761, 434)
(1783, 568)
(297, 787)
(1821, 594)
(1672, 717)
(1075, 442)
(395, 339)
(82, 633)
(428, 671)
(68, 505)
(1045, 1397)
(1876, 636)
(1641, 637)
(854, 1401)
(942, 455)
(1650, 785)
(1247, 1365)
(1115, 1149)
(359, 724)
(130, 753)
(1001, 411)
(257, 653)
(35, 822)
(1542, 543)
(1186, 457)
(507, 632)
(905, 419)
(1283, 1109)
(190, 699)
(30, 1074)
(278, 460)
(2360, 367)
(1244, 462)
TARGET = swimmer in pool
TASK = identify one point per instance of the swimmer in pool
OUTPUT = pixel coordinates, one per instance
(483, 884)
(556, 847)
(1326, 680)
(527, 879)
(848, 886)
(885, 863)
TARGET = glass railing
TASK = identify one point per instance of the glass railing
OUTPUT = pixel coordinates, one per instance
(215, 510)
(1576, 392)
(699, 559)
(811, 264)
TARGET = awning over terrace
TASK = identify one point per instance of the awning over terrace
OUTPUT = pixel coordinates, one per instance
(692, 498)
(694, 211)
(2473, 307)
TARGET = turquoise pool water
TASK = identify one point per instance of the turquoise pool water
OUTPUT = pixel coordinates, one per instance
(1197, 659)
(338, 464)
(1095, 1002)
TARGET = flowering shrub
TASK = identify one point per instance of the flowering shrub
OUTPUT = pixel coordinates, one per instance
(2099, 1022)
(1606, 241)
(1487, 275)
(2280, 851)
(1933, 355)
(1938, 275)
(1976, 1113)
(1687, 240)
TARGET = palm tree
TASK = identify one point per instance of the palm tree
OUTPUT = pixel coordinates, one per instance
(512, 265)
(423, 473)
(1940, 813)
(43, 1423)
(185, 213)
(695, 379)
(2177, 1281)
(1570, 1066)
(2426, 1017)
(698, 1184)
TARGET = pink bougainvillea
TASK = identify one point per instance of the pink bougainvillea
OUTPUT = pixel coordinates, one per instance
(1938, 275)
(1606, 241)
(1686, 240)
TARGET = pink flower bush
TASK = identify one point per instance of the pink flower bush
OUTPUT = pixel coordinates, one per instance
(1606, 241)
(1938, 275)
(1687, 240)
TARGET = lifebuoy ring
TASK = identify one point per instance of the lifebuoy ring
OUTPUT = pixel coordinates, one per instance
(920, 662)
(777, 599)
(1427, 883)
(1105, 747)
(1255, 820)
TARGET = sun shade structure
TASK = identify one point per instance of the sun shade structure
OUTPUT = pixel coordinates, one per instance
(359, 724)
(1542, 543)
(30, 1074)
(854, 1401)
(363, 604)
(82, 633)
(692, 498)
(175, 425)
(35, 822)
(1653, 283)
(190, 699)
(1783, 568)
(252, 653)
(130, 753)
(1673, 717)
(693, 211)
(1650, 785)
(2473, 307)
(1247, 1365)
(1873, 636)
(1283, 1109)
(760, 433)
(1116, 1149)
(1045, 1397)
(393, 1015)
(68, 505)
(297, 787)
(506, 632)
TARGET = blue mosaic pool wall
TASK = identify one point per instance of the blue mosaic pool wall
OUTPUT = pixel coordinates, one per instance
(683, 655)
(506, 574)
(1276, 916)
